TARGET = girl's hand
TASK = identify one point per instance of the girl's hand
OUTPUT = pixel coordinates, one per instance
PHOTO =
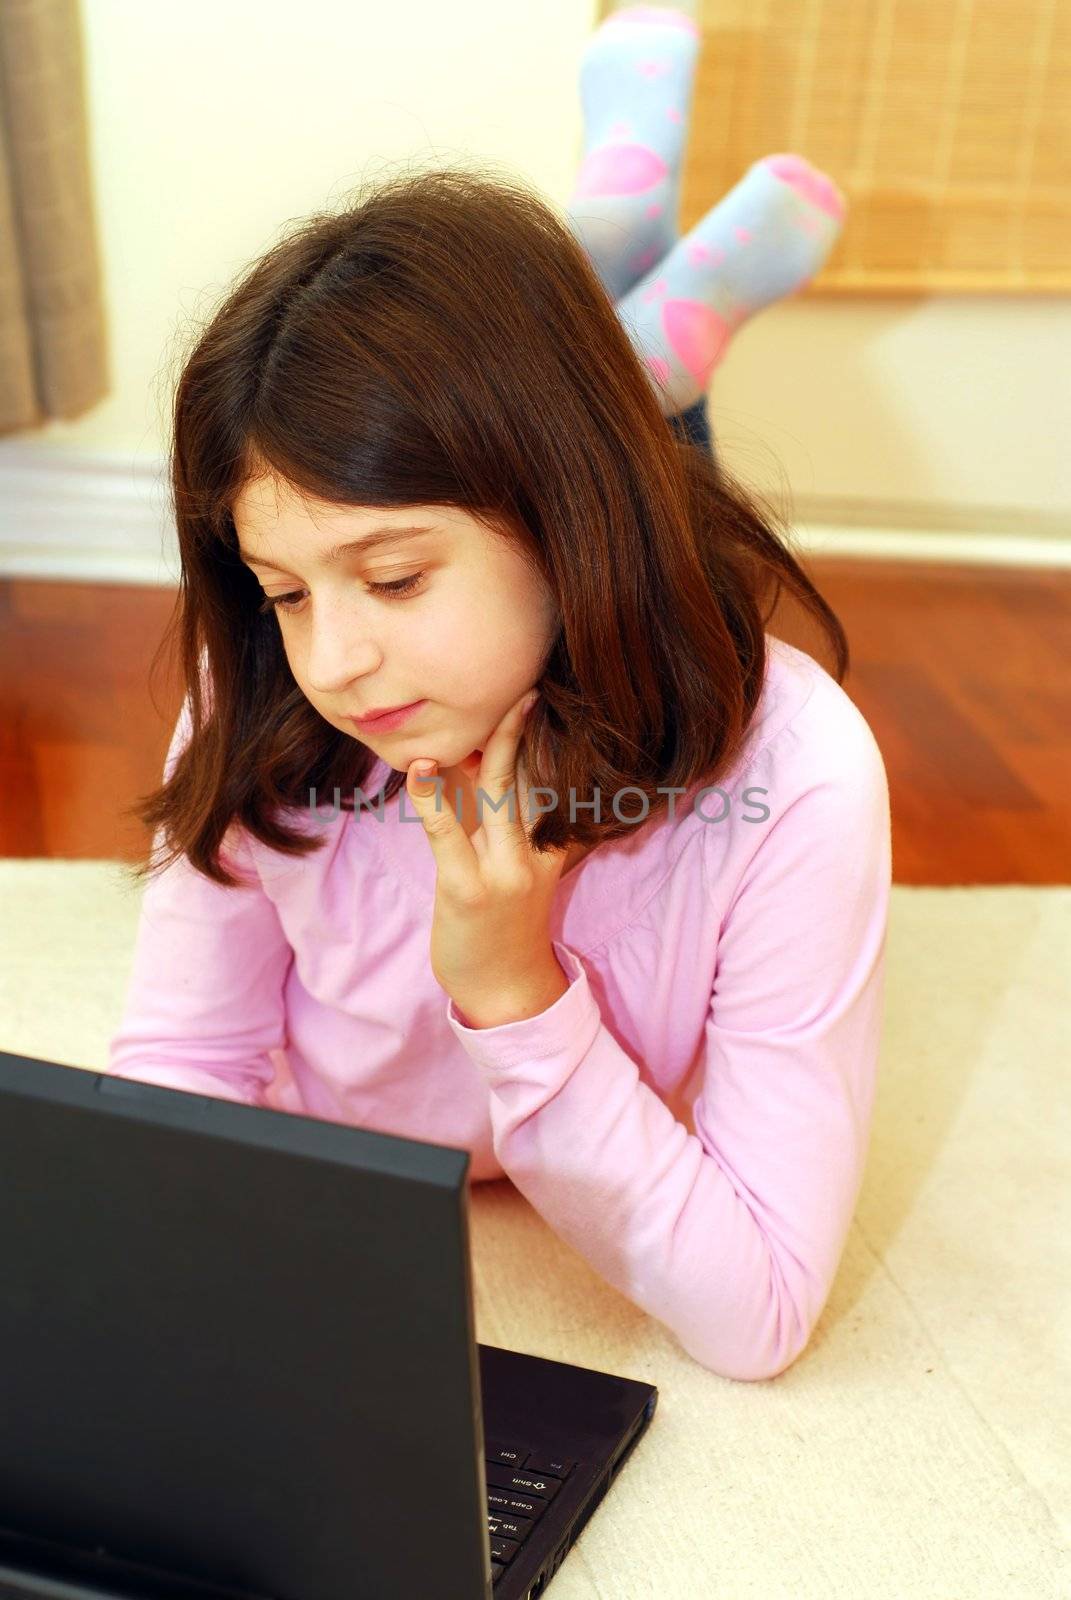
(490, 938)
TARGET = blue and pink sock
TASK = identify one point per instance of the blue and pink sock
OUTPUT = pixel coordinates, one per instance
(682, 299)
(635, 89)
(763, 241)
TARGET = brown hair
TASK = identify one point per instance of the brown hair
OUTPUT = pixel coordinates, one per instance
(444, 340)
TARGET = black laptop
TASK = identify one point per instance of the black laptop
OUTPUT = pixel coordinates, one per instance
(238, 1362)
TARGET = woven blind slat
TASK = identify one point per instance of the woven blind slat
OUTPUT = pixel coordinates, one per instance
(947, 123)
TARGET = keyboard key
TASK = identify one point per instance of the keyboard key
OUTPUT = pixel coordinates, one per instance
(503, 1549)
(543, 1487)
(499, 1501)
(555, 1466)
(509, 1527)
(497, 1569)
(511, 1455)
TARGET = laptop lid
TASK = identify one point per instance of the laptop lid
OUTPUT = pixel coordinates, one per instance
(227, 1335)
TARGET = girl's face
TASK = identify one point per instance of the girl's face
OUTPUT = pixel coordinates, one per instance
(468, 637)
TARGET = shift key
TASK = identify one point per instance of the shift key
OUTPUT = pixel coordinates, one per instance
(545, 1488)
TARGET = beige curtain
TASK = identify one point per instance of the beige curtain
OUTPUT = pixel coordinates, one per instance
(52, 329)
(947, 123)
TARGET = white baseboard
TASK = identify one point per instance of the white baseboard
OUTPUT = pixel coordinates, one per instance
(955, 548)
(87, 516)
(94, 517)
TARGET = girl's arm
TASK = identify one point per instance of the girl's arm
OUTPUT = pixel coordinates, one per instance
(730, 1236)
(204, 1004)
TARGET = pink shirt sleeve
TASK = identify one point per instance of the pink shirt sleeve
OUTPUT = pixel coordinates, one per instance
(204, 1004)
(730, 1236)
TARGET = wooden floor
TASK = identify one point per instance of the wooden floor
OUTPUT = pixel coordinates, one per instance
(963, 673)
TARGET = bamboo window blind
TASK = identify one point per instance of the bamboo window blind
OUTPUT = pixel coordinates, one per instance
(946, 123)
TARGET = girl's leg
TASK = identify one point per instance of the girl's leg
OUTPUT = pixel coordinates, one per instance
(635, 91)
(764, 241)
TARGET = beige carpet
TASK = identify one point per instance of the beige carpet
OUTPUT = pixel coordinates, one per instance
(921, 1445)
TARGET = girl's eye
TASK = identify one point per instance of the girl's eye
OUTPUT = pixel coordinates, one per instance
(292, 602)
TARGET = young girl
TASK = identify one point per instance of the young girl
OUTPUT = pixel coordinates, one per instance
(417, 460)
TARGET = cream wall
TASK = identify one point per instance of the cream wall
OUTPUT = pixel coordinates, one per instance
(212, 125)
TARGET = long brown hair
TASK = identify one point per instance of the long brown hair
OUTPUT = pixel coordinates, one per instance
(444, 340)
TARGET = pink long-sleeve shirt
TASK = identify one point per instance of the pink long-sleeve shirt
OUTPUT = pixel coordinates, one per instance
(692, 1115)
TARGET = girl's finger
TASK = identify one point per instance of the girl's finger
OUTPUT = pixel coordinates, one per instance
(455, 858)
(503, 820)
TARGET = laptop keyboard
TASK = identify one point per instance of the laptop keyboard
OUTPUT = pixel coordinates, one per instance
(521, 1484)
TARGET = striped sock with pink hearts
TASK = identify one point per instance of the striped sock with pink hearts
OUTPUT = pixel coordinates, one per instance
(766, 239)
(635, 89)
